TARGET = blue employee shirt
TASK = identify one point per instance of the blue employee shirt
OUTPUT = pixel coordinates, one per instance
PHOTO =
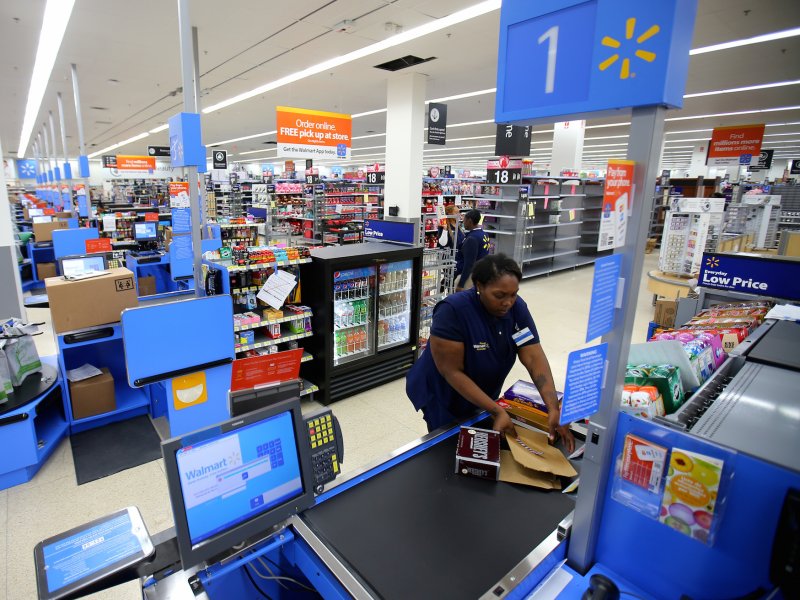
(489, 352)
(474, 247)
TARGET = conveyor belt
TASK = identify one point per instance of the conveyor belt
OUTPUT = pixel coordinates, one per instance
(779, 346)
(418, 530)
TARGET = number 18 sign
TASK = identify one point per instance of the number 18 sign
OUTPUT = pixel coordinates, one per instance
(565, 59)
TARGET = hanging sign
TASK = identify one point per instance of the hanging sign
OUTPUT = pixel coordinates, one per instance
(109, 162)
(737, 145)
(794, 167)
(616, 204)
(220, 159)
(764, 161)
(160, 151)
(512, 140)
(437, 123)
(135, 163)
(504, 170)
(313, 134)
(594, 56)
(376, 174)
(312, 176)
(751, 274)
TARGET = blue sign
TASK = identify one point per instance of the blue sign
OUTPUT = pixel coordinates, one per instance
(564, 59)
(778, 277)
(585, 373)
(181, 257)
(185, 142)
(604, 296)
(67, 171)
(182, 220)
(83, 165)
(26, 168)
(391, 231)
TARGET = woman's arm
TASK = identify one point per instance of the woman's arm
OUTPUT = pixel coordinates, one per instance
(449, 359)
(535, 361)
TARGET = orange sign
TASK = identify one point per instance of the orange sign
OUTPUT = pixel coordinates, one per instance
(736, 145)
(49, 211)
(151, 217)
(313, 134)
(98, 245)
(247, 373)
(136, 163)
(616, 204)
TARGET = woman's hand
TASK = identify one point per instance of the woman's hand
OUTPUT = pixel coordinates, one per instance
(563, 431)
(502, 423)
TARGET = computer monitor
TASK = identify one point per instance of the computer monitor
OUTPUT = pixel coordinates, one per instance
(233, 482)
(81, 264)
(145, 232)
(35, 212)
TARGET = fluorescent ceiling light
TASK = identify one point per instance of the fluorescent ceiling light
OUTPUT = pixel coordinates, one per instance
(458, 148)
(474, 137)
(120, 144)
(608, 125)
(686, 131)
(246, 137)
(465, 124)
(606, 137)
(464, 95)
(366, 114)
(768, 37)
(689, 140)
(601, 145)
(369, 148)
(748, 88)
(782, 142)
(414, 33)
(160, 128)
(733, 114)
(777, 134)
(364, 137)
(54, 24)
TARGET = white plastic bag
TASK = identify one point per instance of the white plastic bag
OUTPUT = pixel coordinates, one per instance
(6, 387)
(22, 357)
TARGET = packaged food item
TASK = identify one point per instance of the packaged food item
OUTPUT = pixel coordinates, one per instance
(643, 462)
(665, 378)
(525, 392)
(644, 402)
(690, 494)
(478, 453)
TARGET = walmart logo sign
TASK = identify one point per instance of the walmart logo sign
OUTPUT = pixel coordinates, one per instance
(712, 262)
(645, 55)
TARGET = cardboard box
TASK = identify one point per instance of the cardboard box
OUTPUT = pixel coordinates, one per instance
(478, 453)
(147, 285)
(43, 232)
(93, 396)
(90, 302)
(45, 270)
(665, 312)
(63, 215)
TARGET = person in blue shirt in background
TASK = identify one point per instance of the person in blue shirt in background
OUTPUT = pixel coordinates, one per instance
(476, 337)
(472, 249)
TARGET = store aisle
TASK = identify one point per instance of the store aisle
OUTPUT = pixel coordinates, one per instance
(374, 424)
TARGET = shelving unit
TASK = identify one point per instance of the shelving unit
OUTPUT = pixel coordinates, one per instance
(555, 228)
(444, 191)
(242, 282)
(154, 192)
(235, 234)
(343, 208)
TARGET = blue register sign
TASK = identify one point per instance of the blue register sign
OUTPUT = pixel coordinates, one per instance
(401, 232)
(764, 276)
(564, 59)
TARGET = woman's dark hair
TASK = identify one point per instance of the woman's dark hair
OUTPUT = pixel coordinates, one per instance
(473, 215)
(493, 267)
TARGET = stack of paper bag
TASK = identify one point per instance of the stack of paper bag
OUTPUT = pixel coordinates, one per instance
(532, 461)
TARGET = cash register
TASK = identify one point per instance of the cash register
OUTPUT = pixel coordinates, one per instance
(146, 236)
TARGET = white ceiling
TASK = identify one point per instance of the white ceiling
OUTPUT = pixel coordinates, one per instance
(129, 69)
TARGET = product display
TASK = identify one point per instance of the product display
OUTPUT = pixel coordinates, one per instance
(643, 463)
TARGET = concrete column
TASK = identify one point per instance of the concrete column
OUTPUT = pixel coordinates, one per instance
(567, 146)
(11, 304)
(405, 121)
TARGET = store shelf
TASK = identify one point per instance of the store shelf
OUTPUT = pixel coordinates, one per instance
(293, 317)
(350, 356)
(261, 266)
(308, 388)
(533, 257)
(307, 357)
(353, 326)
(388, 345)
(499, 232)
(127, 398)
(262, 340)
(394, 291)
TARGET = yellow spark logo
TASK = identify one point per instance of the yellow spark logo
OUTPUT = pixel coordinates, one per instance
(712, 262)
(646, 55)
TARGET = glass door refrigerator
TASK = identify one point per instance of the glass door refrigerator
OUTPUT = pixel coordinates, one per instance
(365, 300)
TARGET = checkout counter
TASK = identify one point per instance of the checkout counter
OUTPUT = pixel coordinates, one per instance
(409, 527)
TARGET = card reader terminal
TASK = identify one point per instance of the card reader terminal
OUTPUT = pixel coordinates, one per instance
(327, 449)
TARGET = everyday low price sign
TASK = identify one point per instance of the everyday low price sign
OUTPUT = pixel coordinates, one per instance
(313, 134)
(762, 276)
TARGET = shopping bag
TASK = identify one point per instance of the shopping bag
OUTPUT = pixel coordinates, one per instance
(6, 387)
(22, 357)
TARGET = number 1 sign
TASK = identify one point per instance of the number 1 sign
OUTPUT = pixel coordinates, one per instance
(565, 59)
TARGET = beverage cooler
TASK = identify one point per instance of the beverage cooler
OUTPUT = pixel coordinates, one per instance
(365, 299)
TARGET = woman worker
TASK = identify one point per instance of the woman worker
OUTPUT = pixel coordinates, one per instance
(476, 337)
(449, 234)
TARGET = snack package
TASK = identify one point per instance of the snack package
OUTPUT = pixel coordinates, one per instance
(665, 378)
(690, 493)
(644, 402)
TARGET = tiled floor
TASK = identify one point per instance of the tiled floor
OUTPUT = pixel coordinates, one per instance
(373, 424)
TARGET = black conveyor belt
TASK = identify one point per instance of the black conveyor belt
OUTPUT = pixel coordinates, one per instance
(418, 530)
(779, 346)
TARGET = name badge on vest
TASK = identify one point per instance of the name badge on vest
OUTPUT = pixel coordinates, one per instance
(522, 336)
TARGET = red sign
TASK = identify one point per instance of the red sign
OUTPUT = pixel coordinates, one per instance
(136, 163)
(98, 245)
(736, 145)
(151, 217)
(616, 204)
(49, 211)
(270, 368)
